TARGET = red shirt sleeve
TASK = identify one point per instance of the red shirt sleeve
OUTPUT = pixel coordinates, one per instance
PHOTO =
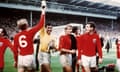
(118, 48)
(12, 49)
(9, 45)
(39, 25)
(118, 51)
(15, 48)
(99, 47)
(79, 47)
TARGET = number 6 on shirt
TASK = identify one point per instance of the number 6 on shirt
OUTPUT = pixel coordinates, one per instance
(23, 43)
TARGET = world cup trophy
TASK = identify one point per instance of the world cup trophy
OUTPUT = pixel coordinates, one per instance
(51, 46)
(43, 4)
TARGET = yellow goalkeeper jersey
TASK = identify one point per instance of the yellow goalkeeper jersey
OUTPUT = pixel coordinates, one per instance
(45, 40)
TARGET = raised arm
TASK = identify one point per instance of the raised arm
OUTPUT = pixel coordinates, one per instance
(41, 21)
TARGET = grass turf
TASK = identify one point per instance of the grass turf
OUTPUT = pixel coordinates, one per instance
(55, 64)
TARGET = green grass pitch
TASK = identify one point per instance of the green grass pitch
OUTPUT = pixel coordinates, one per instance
(55, 64)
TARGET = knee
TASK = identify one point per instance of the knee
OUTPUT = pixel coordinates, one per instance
(94, 69)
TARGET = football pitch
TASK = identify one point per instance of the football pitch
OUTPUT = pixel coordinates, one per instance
(108, 58)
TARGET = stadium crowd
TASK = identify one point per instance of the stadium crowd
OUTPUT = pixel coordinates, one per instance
(9, 22)
(104, 27)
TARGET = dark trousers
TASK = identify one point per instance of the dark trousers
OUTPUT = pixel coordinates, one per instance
(74, 59)
(36, 58)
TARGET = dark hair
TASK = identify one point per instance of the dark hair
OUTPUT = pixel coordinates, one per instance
(74, 29)
(92, 24)
(4, 31)
(48, 24)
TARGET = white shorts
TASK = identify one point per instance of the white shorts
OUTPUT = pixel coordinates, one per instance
(118, 64)
(66, 59)
(26, 61)
(88, 61)
(44, 57)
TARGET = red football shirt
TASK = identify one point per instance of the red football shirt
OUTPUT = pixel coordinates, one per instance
(118, 48)
(4, 43)
(23, 41)
(65, 42)
(89, 44)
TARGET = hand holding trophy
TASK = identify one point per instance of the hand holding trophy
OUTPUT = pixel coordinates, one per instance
(43, 4)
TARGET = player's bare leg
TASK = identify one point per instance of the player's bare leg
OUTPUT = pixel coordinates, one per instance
(87, 69)
(21, 69)
(94, 69)
(30, 70)
(45, 68)
(67, 69)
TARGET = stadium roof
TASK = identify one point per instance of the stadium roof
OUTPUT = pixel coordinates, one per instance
(77, 7)
(113, 5)
(109, 2)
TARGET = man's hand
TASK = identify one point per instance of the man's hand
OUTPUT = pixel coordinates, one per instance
(43, 6)
(100, 60)
(73, 51)
(15, 64)
(79, 62)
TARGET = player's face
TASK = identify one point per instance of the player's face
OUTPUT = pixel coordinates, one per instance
(49, 29)
(88, 28)
(1, 31)
(68, 30)
(78, 32)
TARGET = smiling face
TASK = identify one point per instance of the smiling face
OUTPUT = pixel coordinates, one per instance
(89, 28)
(49, 29)
(68, 29)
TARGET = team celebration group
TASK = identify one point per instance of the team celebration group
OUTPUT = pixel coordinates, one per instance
(76, 50)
